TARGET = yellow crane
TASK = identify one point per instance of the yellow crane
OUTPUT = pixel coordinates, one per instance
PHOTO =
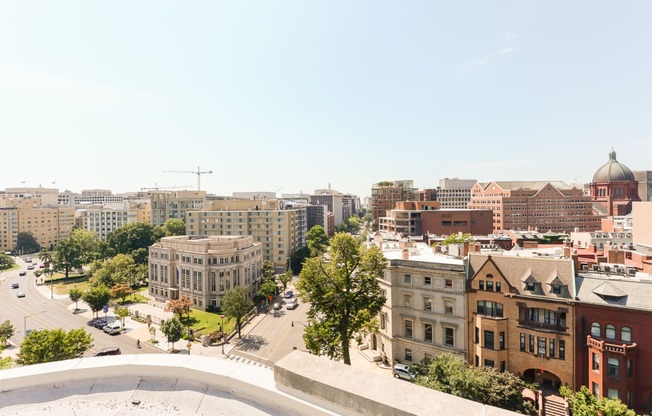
(197, 172)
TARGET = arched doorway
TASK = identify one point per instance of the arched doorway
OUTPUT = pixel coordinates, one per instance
(548, 381)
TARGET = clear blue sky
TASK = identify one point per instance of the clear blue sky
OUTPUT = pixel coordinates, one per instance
(300, 94)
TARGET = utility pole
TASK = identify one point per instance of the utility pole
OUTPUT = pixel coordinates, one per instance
(197, 172)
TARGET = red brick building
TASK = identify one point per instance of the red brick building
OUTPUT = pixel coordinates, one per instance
(614, 188)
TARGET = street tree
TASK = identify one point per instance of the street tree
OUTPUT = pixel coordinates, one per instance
(298, 257)
(344, 295)
(47, 258)
(133, 239)
(67, 256)
(44, 346)
(121, 291)
(173, 226)
(267, 289)
(7, 331)
(317, 240)
(584, 403)
(119, 269)
(96, 297)
(26, 243)
(88, 244)
(122, 313)
(75, 295)
(268, 270)
(172, 329)
(179, 306)
(236, 304)
(6, 262)
(285, 278)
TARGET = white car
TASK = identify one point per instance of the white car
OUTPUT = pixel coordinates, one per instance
(292, 303)
(113, 328)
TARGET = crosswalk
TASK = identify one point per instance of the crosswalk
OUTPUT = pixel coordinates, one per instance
(248, 361)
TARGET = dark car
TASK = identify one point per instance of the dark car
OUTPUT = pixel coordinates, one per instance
(23, 273)
(108, 351)
(289, 294)
(15, 285)
(99, 323)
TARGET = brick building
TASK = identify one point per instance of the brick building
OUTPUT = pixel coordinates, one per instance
(614, 188)
(385, 195)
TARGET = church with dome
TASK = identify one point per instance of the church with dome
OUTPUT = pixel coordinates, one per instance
(614, 188)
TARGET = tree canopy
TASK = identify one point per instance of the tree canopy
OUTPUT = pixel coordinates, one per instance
(6, 331)
(44, 346)
(173, 329)
(96, 297)
(88, 244)
(173, 226)
(6, 262)
(179, 306)
(26, 243)
(133, 239)
(68, 256)
(584, 403)
(456, 239)
(119, 269)
(236, 304)
(317, 240)
(344, 295)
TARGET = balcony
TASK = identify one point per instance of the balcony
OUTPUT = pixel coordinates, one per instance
(542, 326)
(601, 345)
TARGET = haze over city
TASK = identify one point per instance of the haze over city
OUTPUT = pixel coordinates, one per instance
(294, 96)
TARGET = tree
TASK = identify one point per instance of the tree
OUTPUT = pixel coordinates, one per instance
(120, 290)
(236, 304)
(267, 289)
(122, 313)
(119, 269)
(172, 329)
(450, 374)
(179, 306)
(47, 257)
(88, 244)
(6, 331)
(68, 256)
(75, 295)
(584, 403)
(96, 297)
(298, 257)
(285, 278)
(343, 293)
(6, 262)
(44, 346)
(317, 240)
(174, 226)
(6, 363)
(456, 239)
(133, 239)
(268, 270)
(26, 243)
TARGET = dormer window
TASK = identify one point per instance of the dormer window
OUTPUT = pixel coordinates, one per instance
(556, 289)
(529, 285)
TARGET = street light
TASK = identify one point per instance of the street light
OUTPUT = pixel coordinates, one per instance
(25, 321)
(223, 337)
(301, 323)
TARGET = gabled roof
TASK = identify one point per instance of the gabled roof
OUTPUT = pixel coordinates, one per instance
(556, 281)
(609, 290)
(528, 278)
(536, 185)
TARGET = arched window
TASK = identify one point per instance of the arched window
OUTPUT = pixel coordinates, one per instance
(595, 330)
(626, 334)
(489, 276)
(610, 332)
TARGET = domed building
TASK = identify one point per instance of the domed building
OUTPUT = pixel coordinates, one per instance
(614, 188)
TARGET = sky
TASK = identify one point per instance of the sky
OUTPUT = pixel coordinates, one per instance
(294, 96)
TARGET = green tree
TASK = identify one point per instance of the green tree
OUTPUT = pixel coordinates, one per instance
(44, 346)
(450, 374)
(298, 257)
(6, 331)
(122, 313)
(174, 226)
(75, 295)
(236, 304)
(6, 363)
(47, 258)
(172, 329)
(88, 244)
(96, 297)
(121, 291)
(584, 403)
(343, 293)
(6, 262)
(317, 240)
(133, 239)
(285, 278)
(267, 289)
(68, 256)
(457, 239)
(26, 243)
(268, 270)
(119, 269)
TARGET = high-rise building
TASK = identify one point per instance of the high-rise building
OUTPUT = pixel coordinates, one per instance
(104, 219)
(333, 200)
(385, 195)
(454, 193)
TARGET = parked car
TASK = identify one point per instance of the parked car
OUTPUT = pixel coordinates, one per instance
(28, 259)
(289, 294)
(98, 323)
(403, 371)
(41, 266)
(108, 351)
(113, 328)
(292, 303)
(277, 306)
(20, 294)
(23, 273)
(15, 285)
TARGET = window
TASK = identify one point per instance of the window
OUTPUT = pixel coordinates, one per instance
(498, 287)
(556, 289)
(630, 369)
(407, 279)
(490, 286)
(427, 332)
(481, 285)
(529, 286)
(489, 363)
(595, 330)
(449, 337)
(489, 339)
(551, 350)
(448, 307)
(490, 308)
(626, 334)
(407, 301)
(408, 329)
(612, 393)
(427, 304)
(448, 283)
(522, 342)
(596, 390)
(502, 366)
(596, 362)
(541, 346)
(383, 321)
(531, 343)
(613, 367)
(610, 332)
(427, 281)
(477, 335)
(562, 349)
(501, 340)
(408, 354)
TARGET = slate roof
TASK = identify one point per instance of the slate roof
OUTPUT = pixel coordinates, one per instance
(621, 291)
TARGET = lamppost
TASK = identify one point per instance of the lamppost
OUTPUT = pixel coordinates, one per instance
(223, 337)
(25, 321)
(301, 323)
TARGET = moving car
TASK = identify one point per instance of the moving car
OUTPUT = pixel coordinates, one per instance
(292, 303)
(30, 267)
(289, 294)
(23, 273)
(277, 306)
(113, 328)
(15, 285)
(20, 294)
(108, 351)
(403, 371)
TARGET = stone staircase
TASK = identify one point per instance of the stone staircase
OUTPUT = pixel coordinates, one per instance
(554, 406)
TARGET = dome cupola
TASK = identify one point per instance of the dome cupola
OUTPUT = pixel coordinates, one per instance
(613, 171)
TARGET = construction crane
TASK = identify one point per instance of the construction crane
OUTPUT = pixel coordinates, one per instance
(156, 187)
(197, 172)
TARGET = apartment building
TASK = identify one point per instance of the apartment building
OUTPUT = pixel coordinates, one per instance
(424, 312)
(350, 205)
(89, 197)
(521, 316)
(203, 269)
(524, 205)
(333, 200)
(104, 219)
(385, 195)
(267, 221)
(602, 240)
(165, 205)
(455, 193)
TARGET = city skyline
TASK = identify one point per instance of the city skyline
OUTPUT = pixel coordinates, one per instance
(295, 96)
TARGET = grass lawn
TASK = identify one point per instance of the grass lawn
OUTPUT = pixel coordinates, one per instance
(62, 285)
(208, 322)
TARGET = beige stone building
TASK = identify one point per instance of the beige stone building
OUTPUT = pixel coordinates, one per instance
(165, 205)
(424, 312)
(279, 230)
(102, 219)
(203, 269)
(33, 210)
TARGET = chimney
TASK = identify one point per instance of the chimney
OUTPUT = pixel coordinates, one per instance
(406, 254)
(465, 249)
